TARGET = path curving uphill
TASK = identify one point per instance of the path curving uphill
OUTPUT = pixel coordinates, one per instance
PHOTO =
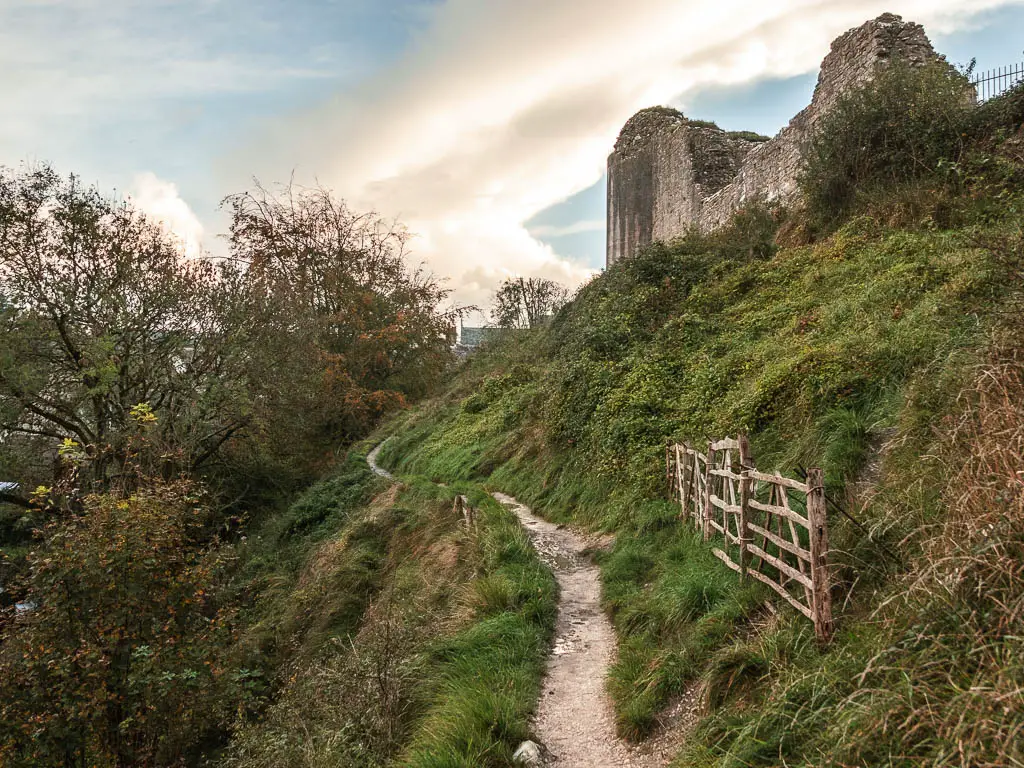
(371, 459)
(574, 719)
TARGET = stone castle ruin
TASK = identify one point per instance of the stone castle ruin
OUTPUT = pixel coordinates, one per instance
(668, 174)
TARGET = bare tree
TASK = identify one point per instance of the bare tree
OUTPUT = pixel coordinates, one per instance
(527, 302)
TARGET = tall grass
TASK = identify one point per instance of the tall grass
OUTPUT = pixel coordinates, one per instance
(426, 639)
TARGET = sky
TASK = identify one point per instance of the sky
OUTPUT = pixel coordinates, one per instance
(482, 125)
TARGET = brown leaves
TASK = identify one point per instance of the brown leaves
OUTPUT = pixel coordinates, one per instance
(119, 658)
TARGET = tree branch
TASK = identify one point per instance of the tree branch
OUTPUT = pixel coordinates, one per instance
(12, 498)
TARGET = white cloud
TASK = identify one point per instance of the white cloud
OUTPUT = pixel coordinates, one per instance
(87, 79)
(497, 110)
(507, 107)
(576, 228)
(161, 203)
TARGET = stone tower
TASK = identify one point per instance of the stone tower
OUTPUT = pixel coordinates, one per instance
(667, 174)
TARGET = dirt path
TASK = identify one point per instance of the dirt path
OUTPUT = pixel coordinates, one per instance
(574, 720)
(371, 459)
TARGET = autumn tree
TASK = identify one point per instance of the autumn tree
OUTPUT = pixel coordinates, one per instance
(343, 279)
(132, 377)
(526, 302)
(101, 313)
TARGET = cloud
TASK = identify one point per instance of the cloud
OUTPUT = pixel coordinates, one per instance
(160, 201)
(576, 228)
(504, 108)
(94, 80)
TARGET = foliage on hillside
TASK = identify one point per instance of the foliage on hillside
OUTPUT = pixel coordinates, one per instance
(868, 352)
(163, 408)
(366, 625)
(390, 631)
(914, 130)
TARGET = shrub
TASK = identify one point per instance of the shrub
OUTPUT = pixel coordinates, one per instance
(1005, 112)
(352, 707)
(124, 659)
(749, 136)
(896, 129)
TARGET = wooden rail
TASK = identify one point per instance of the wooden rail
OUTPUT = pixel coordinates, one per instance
(722, 492)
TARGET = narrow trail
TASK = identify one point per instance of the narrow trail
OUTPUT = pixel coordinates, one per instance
(575, 721)
(371, 459)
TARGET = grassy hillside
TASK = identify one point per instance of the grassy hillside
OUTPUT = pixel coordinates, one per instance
(382, 630)
(884, 349)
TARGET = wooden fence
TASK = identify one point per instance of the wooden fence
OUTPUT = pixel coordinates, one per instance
(723, 493)
(462, 507)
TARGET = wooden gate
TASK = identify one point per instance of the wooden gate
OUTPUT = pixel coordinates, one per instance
(772, 528)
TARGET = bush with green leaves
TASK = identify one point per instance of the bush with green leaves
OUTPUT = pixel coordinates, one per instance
(121, 652)
(899, 127)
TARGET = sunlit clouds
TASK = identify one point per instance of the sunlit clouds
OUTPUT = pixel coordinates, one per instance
(502, 109)
(464, 119)
(160, 201)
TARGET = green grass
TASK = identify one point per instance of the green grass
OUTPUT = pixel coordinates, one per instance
(388, 632)
(847, 353)
(489, 674)
(290, 607)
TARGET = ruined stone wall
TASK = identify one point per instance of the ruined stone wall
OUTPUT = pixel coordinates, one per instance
(662, 168)
(656, 189)
(648, 179)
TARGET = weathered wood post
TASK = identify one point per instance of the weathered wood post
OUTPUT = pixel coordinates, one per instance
(746, 491)
(668, 469)
(706, 513)
(462, 508)
(685, 480)
(821, 592)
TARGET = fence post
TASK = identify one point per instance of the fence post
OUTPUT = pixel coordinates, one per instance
(821, 593)
(746, 463)
(668, 469)
(706, 518)
(685, 482)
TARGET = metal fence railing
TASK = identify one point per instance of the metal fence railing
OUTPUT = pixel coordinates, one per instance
(995, 82)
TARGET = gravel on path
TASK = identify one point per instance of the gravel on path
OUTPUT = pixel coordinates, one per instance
(575, 721)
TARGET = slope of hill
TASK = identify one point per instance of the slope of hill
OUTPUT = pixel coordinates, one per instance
(885, 349)
(390, 631)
